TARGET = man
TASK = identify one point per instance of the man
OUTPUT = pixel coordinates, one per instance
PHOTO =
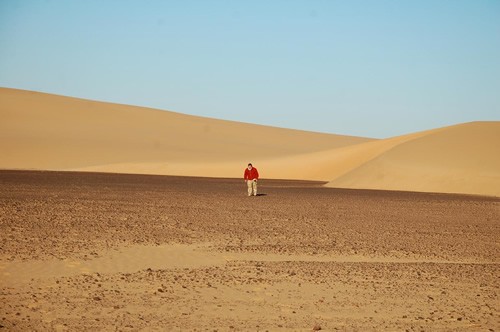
(251, 176)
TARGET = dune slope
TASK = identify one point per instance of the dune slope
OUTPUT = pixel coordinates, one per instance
(458, 159)
(43, 131)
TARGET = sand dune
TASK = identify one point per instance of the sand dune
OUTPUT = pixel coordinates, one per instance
(49, 132)
(42, 131)
(458, 159)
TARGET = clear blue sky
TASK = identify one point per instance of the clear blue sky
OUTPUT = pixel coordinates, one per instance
(367, 68)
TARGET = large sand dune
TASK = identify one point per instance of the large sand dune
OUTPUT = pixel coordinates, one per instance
(459, 159)
(42, 131)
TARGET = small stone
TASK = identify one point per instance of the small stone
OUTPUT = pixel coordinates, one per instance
(316, 327)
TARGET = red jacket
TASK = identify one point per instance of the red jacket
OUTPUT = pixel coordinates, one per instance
(251, 174)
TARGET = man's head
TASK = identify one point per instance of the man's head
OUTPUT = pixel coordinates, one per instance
(250, 166)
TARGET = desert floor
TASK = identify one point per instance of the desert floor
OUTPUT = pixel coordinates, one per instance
(89, 251)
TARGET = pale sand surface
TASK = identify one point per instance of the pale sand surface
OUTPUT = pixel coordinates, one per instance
(48, 132)
(87, 251)
(460, 159)
(43, 131)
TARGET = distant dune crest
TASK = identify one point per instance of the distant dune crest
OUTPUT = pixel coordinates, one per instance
(49, 132)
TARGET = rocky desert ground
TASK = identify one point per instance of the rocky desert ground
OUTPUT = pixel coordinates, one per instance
(95, 251)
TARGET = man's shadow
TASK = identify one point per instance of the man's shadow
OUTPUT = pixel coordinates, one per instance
(261, 195)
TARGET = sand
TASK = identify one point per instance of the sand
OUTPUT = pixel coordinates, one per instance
(47, 132)
(96, 251)
(457, 159)
(364, 234)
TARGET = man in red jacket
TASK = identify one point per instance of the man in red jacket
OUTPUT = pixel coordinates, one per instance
(251, 176)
